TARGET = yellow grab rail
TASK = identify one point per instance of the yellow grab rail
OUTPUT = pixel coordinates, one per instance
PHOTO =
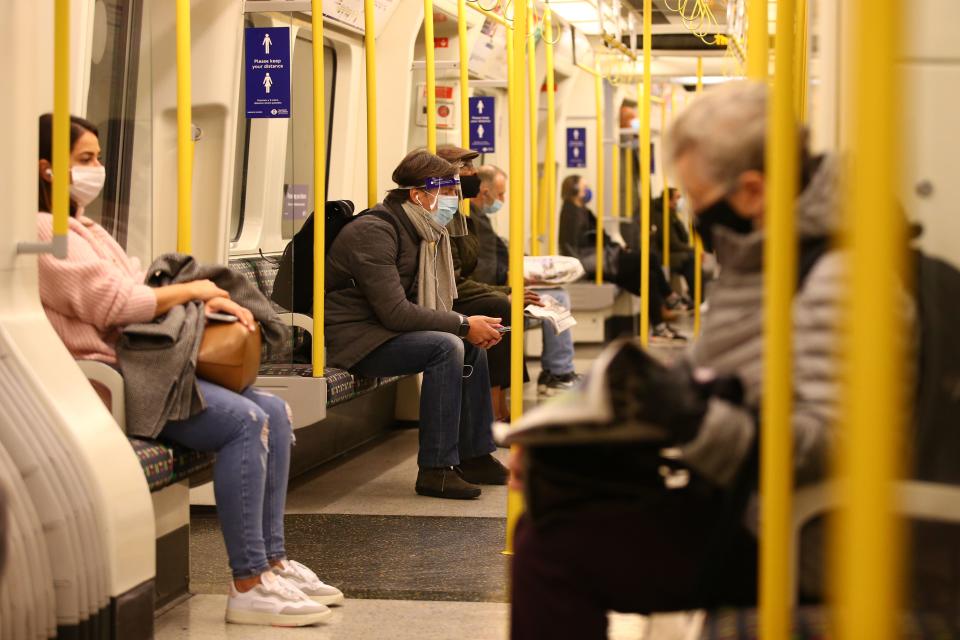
(184, 131)
(780, 265)
(370, 46)
(428, 45)
(616, 152)
(60, 204)
(464, 79)
(319, 189)
(515, 88)
(697, 242)
(550, 161)
(867, 564)
(490, 14)
(758, 40)
(628, 178)
(665, 230)
(645, 175)
(801, 56)
(598, 97)
(534, 151)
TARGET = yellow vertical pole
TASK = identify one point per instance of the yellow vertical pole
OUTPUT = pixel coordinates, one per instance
(867, 562)
(665, 229)
(515, 88)
(464, 74)
(780, 265)
(534, 151)
(464, 83)
(697, 242)
(628, 178)
(801, 56)
(615, 177)
(550, 161)
(598, 89)
(184, 132)
(370, 44)
(319, 188)
(758, 40)
(61, 119)
(645, 174)
(431, 76)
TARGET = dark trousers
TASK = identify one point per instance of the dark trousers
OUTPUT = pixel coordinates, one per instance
(569, 571)
(456, 415)
(628, 277)
(498, 356)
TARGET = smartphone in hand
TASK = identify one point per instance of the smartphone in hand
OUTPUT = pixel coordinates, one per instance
(503, 329)
(222, 317)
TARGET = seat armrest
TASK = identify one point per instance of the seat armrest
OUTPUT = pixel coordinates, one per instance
(298, 320)
(113, 381)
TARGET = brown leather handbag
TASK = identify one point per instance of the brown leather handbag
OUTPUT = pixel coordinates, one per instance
(229, 355)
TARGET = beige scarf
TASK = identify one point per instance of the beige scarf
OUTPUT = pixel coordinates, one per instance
(436, 286)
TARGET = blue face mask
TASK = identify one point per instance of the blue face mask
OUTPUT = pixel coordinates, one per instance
(588, 196)
(447, 207)
(493, 208)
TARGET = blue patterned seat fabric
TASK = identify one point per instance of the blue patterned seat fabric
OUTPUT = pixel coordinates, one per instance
(164, 464)
(813, 623)
(341, 385)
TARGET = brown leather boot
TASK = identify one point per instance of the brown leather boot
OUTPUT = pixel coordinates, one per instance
(445, 483)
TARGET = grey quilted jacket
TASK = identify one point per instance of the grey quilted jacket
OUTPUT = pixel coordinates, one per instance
(158, 359)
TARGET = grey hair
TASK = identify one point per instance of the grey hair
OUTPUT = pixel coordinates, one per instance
(489, 172)
(725, 129)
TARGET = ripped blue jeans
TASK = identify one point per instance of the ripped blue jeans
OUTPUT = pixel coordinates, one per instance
(251, 435)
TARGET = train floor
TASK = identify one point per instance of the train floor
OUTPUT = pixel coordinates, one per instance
(412, 567)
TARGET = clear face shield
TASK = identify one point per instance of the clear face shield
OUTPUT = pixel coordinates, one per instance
(450, 204)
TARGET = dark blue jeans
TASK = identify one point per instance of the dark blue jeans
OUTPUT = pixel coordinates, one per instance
(251, 433)
(456, 414)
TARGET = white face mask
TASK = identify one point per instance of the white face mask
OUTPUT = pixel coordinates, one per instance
(87, 184)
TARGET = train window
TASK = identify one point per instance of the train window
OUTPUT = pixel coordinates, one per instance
(119, 75)
(298, 172)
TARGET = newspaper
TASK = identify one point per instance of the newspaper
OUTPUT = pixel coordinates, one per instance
(585, 415)
(551, 269)
(553, 312)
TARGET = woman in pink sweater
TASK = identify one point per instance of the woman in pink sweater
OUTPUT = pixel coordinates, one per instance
(89, 297)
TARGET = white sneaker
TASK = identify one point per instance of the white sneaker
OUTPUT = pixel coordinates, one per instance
(308, 582)
(274, 602)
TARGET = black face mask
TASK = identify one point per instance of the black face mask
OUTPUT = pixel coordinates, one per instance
(720, 213)
(470, 185)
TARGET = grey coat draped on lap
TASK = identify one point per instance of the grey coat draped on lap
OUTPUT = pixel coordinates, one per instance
(158, 359)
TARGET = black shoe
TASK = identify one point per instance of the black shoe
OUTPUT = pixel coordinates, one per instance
(445, 483)
(483, 470)
(552, 384)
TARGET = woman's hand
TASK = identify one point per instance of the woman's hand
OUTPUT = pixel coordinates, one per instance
(228, 306)
(205, 290)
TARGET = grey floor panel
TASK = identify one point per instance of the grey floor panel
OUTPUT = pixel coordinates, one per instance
(201, 618)
(389, 557)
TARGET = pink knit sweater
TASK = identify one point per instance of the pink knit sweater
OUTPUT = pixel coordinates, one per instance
(94, 292)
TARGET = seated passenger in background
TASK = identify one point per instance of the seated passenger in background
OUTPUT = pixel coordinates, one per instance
(654, 548)
(556, 358)
(475, 297)
(578, 233)
(389, 311)
(89, 297)
(681, 251)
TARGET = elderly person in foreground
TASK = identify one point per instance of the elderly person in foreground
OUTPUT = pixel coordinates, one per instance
(605, 529)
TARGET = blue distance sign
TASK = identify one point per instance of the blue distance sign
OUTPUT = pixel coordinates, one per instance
(576, 147)
(481, 124)
(268, 72)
